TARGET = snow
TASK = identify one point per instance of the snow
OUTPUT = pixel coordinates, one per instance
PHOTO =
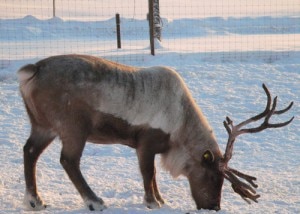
(223, 82)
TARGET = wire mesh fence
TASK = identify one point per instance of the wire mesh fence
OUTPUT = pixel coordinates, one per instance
(29, 28)
(228, 29)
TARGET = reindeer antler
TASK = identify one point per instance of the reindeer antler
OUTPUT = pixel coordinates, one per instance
(246, 191)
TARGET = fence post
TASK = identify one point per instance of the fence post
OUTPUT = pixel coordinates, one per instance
(151, 25)
(118, 24)
(53, 8)
(157, 20)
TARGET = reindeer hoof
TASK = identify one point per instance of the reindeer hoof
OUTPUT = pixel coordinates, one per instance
(34, 203)
(161, 201)
(96, 205)
(152, 204)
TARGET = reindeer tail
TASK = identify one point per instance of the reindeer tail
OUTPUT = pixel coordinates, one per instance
(26, 73)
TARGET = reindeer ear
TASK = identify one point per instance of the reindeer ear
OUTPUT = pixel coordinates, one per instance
(208, 157)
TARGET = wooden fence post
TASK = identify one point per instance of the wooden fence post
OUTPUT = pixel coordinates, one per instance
(157, 20)
(151, 25)
(53, 8)
(118, 24)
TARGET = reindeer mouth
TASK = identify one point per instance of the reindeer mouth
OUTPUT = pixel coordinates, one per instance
(214, 207)
(247, 190)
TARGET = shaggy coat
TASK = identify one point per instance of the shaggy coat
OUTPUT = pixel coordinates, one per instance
(83, 98)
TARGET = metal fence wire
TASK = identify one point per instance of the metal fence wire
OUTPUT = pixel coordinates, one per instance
(227, 29)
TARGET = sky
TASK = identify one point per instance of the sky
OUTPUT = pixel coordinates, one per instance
(99, 9)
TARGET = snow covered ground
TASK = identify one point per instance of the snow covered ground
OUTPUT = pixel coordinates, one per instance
(221, 83)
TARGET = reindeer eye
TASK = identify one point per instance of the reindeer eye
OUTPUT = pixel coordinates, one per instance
(208, 157)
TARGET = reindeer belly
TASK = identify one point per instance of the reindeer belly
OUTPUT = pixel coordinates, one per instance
(112, 130)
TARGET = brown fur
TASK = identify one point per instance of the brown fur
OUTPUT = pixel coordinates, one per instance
(83, 98)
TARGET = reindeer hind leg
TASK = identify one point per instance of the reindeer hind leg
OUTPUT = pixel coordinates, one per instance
(39, 139)
(70, 160)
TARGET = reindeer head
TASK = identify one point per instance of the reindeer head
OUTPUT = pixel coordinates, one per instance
(206, 178)
(246, 190)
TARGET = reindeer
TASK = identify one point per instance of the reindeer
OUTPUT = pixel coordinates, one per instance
(83, 98)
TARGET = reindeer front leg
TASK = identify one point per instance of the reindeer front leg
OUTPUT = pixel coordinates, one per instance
(146, 162)
(149, 143)
(156, 190)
